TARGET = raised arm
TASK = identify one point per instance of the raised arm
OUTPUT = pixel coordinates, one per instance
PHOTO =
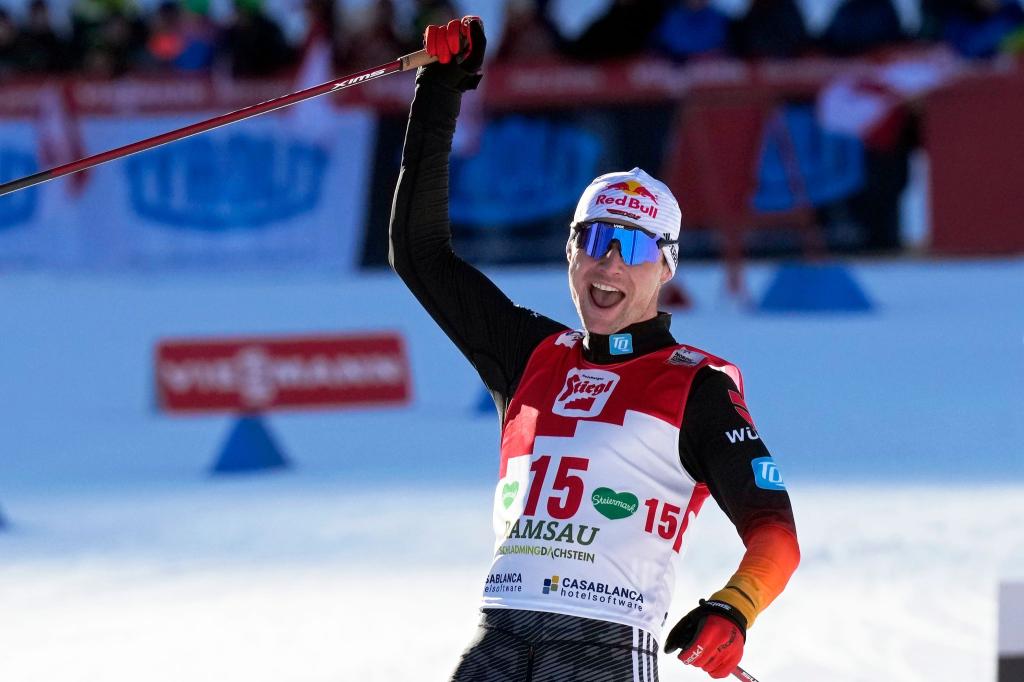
(494, 334)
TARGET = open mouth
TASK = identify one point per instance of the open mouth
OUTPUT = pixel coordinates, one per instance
(604, 296)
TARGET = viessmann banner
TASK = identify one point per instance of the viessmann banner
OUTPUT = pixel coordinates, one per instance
(260, 374)
(266, 193)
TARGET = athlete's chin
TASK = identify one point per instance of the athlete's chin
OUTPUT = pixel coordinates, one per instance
(601, 320)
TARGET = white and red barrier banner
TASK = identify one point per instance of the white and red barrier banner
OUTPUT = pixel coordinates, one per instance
(264, 194)
(260, 374)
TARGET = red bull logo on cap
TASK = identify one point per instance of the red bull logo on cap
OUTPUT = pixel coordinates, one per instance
(633, 188)
(634, 196)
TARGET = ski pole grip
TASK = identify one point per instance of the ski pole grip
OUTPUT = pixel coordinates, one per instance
(416, 60)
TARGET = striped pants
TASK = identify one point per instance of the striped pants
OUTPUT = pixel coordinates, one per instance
(532, 646)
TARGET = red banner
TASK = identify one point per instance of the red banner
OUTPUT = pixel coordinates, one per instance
(543, 83)
(259, 374)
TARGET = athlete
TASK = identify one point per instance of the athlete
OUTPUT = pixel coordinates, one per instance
(612, 436)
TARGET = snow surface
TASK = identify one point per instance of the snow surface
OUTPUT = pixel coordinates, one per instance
(899, 433)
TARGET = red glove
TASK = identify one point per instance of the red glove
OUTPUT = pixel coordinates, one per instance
(711, 637)
(461, 41)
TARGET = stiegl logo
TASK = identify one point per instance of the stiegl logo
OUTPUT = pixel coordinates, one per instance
(585, 393)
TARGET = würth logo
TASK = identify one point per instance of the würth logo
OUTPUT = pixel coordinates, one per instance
(585, 393)
(742, 435)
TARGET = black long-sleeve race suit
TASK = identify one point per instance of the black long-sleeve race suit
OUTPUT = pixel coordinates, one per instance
(497, 336)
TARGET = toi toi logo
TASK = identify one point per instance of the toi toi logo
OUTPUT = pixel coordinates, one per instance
(620, 344)
(767, 474)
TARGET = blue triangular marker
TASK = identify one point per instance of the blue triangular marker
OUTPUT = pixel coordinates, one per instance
(807, 288)
(249, 447)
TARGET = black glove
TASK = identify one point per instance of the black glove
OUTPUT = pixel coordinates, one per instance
(711, 638)
(459, 47)
(687, 629)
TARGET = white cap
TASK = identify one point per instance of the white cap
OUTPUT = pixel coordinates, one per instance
(634, 199)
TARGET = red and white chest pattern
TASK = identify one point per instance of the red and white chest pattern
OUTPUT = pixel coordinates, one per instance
(592, 502)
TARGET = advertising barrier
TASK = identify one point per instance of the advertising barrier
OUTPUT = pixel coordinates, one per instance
(756, 165)
(252, 375)
(264, 193)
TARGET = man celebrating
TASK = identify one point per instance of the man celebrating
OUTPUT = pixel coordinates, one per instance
(612, 437)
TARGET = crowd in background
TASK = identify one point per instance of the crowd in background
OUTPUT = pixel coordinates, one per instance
(112, 37)
(688, 29)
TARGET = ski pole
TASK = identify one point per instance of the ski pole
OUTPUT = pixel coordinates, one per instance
(409, 61)
(743, 674)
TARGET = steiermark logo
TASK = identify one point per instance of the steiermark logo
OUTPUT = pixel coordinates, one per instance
(613, 505)
(508, 493)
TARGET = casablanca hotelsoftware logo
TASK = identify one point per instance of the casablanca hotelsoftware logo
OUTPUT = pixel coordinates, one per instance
(583, 589)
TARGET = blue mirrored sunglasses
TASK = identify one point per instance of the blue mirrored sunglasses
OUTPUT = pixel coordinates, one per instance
(635, 246)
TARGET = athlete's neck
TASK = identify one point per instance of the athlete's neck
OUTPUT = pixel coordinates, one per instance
(635, 340)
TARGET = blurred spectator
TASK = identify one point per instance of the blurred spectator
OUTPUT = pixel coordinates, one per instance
(1013, 43)
(182, 39)
(933, 16)
(42, 50)
(527, 34)
(321, 20)
(111, 37)
(431, 12)
(771, 28)
(9, 48)
(625, 30)
(253, 44)
(374, 39)
(980, 28)
(691, 28)
(108, 35)
(860, 26)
